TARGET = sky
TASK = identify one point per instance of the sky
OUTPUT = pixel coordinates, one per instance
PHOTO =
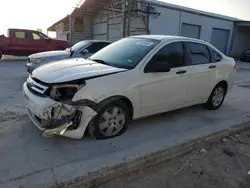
(33, 14)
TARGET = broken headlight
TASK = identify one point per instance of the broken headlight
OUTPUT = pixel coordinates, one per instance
(63, 92)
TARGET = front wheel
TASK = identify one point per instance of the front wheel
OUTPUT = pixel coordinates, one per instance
(216, 98)
(111, 121)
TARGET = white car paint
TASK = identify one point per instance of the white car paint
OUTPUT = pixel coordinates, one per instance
(149, 93)
(68, 70)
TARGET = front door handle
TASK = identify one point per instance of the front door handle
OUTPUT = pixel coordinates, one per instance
(212, 66)
(181, 72)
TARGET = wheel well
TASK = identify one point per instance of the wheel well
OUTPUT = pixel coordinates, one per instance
(224, 83)
(115, 98)
(129, 105)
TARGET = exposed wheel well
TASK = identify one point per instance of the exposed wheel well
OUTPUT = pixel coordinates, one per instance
(224, 83)
(129, 105)
(115, 98)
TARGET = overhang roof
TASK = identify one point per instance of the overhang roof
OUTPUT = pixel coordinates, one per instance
(53, 27)
(243, 23)
(91, 6)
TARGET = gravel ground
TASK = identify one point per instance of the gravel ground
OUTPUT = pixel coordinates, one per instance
(224, 165)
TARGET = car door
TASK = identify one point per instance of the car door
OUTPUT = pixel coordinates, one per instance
(201, 72)
(20, 43)
(163, 91)
(39, 43)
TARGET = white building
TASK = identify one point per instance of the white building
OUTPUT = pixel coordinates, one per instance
(110, 20)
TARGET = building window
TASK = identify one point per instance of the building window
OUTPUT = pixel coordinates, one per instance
(190, 30)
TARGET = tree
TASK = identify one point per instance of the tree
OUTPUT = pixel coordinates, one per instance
(39, 29)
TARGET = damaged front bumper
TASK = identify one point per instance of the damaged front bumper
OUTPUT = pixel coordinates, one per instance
(55, 118)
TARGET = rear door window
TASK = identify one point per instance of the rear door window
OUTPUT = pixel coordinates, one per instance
(198, 53)
(20, 34)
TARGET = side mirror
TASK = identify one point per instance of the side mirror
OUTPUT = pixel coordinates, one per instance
(157, 66)
(84, 51)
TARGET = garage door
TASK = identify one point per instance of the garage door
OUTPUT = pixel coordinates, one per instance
(189, 30)
(220, 39)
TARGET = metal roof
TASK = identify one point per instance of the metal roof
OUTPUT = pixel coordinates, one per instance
(186, 9)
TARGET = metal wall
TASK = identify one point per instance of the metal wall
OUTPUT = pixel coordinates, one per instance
(100, 26)
(108, 25)
(170, 21)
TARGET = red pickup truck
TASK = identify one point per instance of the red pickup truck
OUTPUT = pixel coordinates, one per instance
(22, 42)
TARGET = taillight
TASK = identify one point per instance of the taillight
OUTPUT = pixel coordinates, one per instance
(235, 66)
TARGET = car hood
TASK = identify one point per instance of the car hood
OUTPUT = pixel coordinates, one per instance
(50, 55)
(72, 69)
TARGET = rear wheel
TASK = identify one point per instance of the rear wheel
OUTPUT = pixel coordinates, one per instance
(243, 58)
(1, 55)
(111, 121)
(217, 97)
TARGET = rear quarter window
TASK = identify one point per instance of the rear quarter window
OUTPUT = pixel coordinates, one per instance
(215, 56)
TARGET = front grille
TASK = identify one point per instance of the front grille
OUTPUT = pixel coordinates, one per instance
(35, 92)
(37, 88)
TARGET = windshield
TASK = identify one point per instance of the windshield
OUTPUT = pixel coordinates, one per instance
(78, 46)
(125, 53)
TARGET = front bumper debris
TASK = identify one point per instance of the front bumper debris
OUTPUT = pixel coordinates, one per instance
(55, 118)
(57, 131)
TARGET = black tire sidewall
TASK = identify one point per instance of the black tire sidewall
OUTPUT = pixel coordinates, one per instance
(1, 55)
(94, 129)
(243, 58)
(209, 104)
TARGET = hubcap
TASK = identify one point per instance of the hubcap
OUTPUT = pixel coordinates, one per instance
(218, 96)
(112, 121)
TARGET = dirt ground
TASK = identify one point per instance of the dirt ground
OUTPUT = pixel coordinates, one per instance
(224, 165)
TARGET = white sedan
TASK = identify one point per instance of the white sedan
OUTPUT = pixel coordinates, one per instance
(132, 78)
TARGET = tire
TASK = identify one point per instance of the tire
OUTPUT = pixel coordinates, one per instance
(243, 58)
(1, 55)
(100, 127)
(214, 103)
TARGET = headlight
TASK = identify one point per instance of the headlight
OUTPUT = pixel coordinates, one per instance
(37, 61)
(63, 92)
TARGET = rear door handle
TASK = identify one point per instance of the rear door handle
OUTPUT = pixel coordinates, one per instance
(181, 72)
(212, 66)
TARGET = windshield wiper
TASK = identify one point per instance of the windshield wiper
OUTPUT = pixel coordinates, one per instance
(100, 61)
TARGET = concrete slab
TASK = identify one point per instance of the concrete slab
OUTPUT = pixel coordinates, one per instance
(29, 160)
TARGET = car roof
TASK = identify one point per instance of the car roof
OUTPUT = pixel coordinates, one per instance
(169, 37)
(166, 37)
